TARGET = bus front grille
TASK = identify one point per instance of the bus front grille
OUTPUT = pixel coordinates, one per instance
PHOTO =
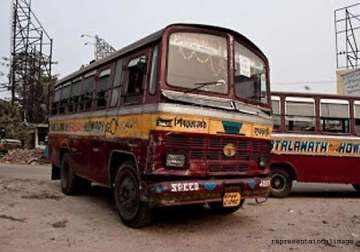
(211, 150)
(228, 168)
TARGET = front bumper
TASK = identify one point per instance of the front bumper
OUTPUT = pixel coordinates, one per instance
(172, 193)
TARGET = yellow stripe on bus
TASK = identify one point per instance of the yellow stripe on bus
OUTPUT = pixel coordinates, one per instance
(139, 126)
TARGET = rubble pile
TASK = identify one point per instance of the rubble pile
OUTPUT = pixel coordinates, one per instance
(22, 156)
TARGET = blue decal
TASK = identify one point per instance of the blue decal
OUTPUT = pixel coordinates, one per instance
(159, 189)
(232, 127)
(209, 186)
(252, 183)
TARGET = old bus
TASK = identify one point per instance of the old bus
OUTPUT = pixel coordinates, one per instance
(316, 138)
(179, 117)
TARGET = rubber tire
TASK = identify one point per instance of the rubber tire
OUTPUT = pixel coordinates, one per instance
(143, 214)
(288, 184)
(218, 208)
(70, 183)
(356, 187)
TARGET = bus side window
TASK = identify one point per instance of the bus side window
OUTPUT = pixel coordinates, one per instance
(102, 89)
(87, 91)
(300, 114)
(357, 117)
(75, 96)
(64, 98)
(116, 87)
(154, 70)
(334, 116)
(136, 70)
(275, 103)
(55, 102)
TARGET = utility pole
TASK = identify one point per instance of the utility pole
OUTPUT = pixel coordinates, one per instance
(347, 36)
(101, 47)
(31, 56)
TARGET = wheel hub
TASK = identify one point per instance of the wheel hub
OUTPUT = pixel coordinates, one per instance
(278, 182)
(128, 197)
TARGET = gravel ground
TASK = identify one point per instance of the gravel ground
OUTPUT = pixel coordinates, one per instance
(36, 216)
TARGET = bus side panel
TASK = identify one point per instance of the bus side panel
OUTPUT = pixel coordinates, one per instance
(97, 153)
(322, 169)
(99, 156)
(135, 148)
(90, 155)
(79, 153)
(61, 143)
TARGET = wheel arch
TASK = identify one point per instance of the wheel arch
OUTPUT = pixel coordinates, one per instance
(289, 168)
(118, 157)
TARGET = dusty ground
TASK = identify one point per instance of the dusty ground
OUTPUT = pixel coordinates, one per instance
(35, 216)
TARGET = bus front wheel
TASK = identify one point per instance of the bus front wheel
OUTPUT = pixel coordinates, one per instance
(133, 212)
(281, 183)
(357, 187)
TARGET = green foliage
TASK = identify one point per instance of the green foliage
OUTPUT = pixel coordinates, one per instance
(10, 120)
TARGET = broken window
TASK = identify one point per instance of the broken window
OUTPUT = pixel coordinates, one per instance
(136, 74)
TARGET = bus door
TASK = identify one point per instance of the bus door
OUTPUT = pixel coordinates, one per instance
(98, 146)
(82, 102)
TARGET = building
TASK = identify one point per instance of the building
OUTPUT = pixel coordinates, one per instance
(348, 82)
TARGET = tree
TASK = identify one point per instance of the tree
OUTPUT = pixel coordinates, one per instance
(33, 86)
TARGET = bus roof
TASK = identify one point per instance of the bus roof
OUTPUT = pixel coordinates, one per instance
(310, 95)
(149, 39)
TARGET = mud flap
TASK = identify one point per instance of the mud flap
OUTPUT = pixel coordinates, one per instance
(55, 172)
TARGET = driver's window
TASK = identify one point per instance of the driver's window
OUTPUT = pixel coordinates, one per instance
(136, 70)
(250, 75)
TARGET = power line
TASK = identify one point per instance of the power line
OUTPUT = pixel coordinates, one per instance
(303, 82)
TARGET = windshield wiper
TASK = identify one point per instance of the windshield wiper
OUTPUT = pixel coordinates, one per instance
(204, 84)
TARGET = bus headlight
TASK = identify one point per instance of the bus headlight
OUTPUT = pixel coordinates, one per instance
(263, 162)
(175, 160)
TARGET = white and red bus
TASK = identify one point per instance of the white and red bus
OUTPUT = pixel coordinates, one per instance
(316, 138)
(180, 117)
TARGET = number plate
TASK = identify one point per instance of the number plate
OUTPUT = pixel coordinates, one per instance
(231, 199)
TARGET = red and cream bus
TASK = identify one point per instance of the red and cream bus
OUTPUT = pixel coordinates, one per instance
(316, 138)
(179, 117)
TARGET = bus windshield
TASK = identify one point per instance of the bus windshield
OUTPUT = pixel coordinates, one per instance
(250, 75)
(199, 61)
(196, 59)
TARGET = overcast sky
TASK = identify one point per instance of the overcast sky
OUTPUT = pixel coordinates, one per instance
(297, 36)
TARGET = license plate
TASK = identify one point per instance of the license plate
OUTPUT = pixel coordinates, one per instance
(231, 199)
